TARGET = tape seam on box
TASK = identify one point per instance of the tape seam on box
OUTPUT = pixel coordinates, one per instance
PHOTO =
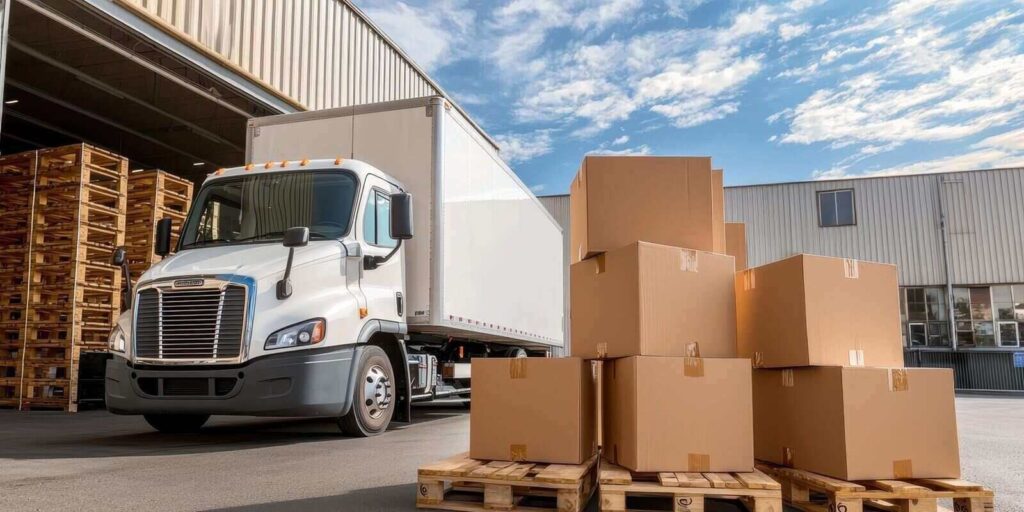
(602, 350)
(758, 360)
(788, 379)
(749, 281)
(693, 349)
(787, 456)
(693, 367)
(688, 260)
(517, 452)
(850, 268)
(903, 468)
(898, 380)
(599, 260)
(698, 462)
(517, 368)
(856, 358)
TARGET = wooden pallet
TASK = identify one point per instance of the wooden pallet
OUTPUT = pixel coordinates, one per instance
(687, 491)
(154, 195)
(464, 484)
(812, 492)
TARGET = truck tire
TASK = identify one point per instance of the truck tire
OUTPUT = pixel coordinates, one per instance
(373, 399)
(176, 423)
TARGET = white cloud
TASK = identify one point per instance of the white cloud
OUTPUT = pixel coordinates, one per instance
(640, 150)
(681, 8)
(598, 15)
(538, 188)
(520, 147)
(620, 140)
(430, 34)
(981, 28)
(789, 31)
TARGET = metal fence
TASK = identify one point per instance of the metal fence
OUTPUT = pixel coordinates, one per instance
(974, 370)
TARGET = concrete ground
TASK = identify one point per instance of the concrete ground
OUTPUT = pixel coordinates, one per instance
(97, 461)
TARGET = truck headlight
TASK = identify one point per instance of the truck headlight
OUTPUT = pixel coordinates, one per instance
(116, 340)
(309, 332)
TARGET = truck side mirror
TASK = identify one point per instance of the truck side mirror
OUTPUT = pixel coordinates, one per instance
(163, 237)
(118, 256)
(401, 216)
(293, 237)
(296, 237)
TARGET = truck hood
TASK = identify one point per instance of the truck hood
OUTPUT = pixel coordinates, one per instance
(252, 260)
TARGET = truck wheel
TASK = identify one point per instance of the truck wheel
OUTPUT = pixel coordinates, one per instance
(373, 397)
(176, 423)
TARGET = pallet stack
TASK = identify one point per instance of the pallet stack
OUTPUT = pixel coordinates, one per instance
(74, 292)
(17, 186)
(154, 195)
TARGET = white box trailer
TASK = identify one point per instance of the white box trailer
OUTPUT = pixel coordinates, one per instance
(486, 262)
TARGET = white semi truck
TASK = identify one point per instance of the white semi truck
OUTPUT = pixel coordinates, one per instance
(353, 267)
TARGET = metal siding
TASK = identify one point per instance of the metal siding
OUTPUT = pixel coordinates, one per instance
(320, 54)
(558, 207)
(897, 222)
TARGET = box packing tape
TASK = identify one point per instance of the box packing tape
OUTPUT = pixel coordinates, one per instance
(517, 452)
(698, 462)
(517, 368)
(788, 379)
(599, 264)
(693, 349)
(787, 456)
(898, 379)
(693, 367)
(902, 469)
(602, 350)
(856, 358)
(850, 268)
(749, 281)
(758, 360)
(688, 260)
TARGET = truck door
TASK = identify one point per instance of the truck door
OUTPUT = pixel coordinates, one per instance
(384, 286)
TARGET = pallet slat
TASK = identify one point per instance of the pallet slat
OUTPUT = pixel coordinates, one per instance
(687, 491)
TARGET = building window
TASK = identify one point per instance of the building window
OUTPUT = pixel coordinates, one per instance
(925, 316)
(836, 208)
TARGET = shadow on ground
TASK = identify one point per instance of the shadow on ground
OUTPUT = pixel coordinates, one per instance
(56, 435)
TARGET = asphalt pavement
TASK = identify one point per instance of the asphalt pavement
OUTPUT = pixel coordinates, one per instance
(98, 461)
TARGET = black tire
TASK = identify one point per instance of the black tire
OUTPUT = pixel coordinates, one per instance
(371, 415)
(177, 423)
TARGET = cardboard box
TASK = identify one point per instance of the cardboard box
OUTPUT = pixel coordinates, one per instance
(858, 423)
(533, 409)
(678, 414)
(818, 311)
(617, 200)
(718, 211)
(656, 300)
(736, 243)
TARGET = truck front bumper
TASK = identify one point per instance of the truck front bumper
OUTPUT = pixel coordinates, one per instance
(299, 383)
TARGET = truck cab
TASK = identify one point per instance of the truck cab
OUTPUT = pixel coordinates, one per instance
(286, 297)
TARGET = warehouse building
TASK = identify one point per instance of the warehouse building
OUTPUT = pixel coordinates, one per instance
(957, 239)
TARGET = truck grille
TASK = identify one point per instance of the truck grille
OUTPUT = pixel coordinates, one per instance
(199, 324)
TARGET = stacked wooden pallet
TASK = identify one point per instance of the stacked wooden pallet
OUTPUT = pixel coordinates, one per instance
(17, 186)
(78, 219)
(154, 195)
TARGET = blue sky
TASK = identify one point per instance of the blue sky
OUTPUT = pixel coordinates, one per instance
(779, 91)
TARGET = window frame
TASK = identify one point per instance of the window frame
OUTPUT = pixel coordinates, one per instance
(371, 199)
(835, 202)
(999, 329)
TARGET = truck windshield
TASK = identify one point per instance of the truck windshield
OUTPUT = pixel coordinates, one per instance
(260, 207)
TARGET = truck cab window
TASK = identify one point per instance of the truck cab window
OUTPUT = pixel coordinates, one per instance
(260, 207)
(377, 220)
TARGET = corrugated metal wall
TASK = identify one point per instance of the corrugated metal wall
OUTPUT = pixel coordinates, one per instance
(318, 53)
(558, 206)
(897, 222)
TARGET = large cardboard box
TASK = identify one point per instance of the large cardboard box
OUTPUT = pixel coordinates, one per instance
(617, 200)
(819, 311)
(858, 423)
(736, 243)
(533, 409)
(649, 299)
(678, 414)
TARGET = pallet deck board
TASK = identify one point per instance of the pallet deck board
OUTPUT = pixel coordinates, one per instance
(687, 491)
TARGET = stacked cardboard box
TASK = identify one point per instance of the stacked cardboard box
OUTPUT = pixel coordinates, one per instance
(831, 395)
(652, 299)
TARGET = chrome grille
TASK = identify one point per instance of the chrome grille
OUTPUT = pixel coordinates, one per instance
(190, 324)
